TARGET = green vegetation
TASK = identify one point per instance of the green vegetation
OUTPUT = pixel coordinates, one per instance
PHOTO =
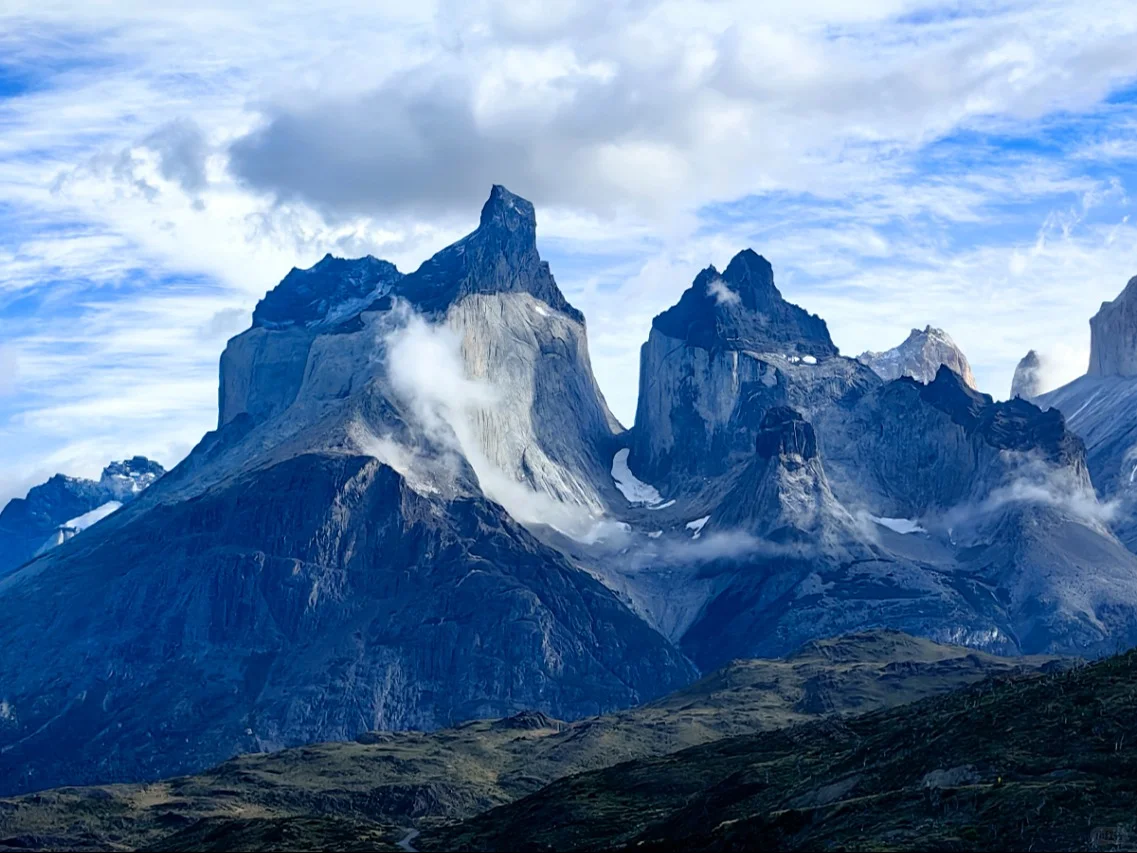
(368, 794)
(1044, 763)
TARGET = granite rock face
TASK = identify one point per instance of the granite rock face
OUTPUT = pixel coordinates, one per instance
(713, 363)
(1113, 335)
(920, 356)
(1027, 381)
(47, 514)
(1099, 408)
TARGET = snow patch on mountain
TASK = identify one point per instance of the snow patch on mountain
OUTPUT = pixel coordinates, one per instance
(899, 525)
(85, 520)
(697, 526)
(631, 487)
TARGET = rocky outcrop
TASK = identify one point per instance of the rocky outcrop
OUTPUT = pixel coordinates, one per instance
(500, 257)
(54, 511)
(1099, 408)
(741, 309)
(1027, 381)
(1113, 335)
(920, 356)
(730, 349)
(334, 289)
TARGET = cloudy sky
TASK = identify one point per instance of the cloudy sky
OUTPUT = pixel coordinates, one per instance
(964, 164)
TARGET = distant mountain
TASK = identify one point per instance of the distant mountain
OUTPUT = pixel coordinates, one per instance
(1027, 382)
(55, 511)
(920, 357)
(378, 787)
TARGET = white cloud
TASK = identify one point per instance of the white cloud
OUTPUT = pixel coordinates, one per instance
(723, 295)
(629, 123)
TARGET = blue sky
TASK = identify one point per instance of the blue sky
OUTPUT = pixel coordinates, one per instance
(967, 165)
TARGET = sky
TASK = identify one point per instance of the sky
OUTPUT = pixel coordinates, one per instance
(969, 165)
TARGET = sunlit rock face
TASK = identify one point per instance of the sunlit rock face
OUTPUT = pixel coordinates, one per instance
(920, 357)
(716, 360)
(1099, 408)
(1113, 335)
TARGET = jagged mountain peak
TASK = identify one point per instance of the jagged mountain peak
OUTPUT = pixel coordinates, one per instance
(329, 290)
(500, 256)
(1014, 424)
(28, 524)
(1113, 335)
(920, 357)
(509, 211)
(752, 277)
(741, 309)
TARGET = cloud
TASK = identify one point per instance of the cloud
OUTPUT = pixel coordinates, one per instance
(723, 295)
(182, 151)
(646, 111)
(425, 367)
(1033, 481)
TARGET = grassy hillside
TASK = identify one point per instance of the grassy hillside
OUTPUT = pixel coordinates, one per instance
(1031, 764)
(368, 794)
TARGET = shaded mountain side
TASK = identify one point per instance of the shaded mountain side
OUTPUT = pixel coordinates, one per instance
(311, 600)
(386, 782)
(1020, 764)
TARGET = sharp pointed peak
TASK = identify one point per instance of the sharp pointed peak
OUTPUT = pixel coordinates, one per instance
(506, 209)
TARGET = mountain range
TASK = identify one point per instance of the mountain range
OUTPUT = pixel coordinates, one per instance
(417, 510)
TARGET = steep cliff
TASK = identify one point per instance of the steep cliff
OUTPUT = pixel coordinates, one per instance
(1113, 335)
(1099, 408)
(730, 349)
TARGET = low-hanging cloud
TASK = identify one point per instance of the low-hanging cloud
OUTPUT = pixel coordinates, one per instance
(426, 371)
(723, 295)
(1033, 481)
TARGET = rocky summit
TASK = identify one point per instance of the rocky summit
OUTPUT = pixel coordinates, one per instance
(417, 510)
(920, 356)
